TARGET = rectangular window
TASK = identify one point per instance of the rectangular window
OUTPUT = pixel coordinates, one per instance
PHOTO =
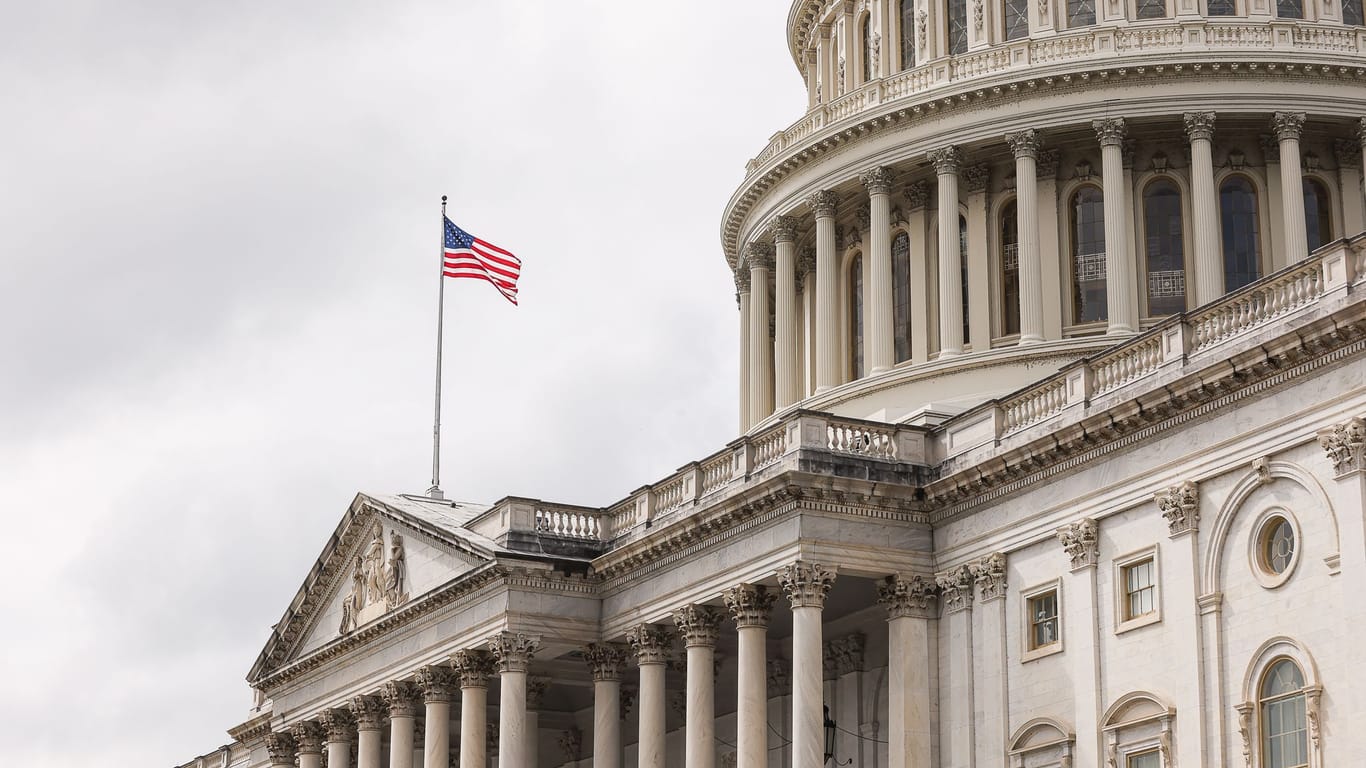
(958, 26)
(1081, 13)
(1149, 759)
(1140, 589)
(1043, 620)
(1290, 9)
(1351, 13)
(1017, 19)
(1152, 9)
(1222, 8)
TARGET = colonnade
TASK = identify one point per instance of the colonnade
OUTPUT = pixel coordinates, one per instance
(783, 368)
(910, 604)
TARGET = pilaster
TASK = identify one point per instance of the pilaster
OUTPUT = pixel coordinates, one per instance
(1081, 543)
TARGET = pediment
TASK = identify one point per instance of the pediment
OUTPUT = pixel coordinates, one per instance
(386, 552)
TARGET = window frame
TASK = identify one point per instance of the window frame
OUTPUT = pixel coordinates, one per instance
(857, 346)
(1005, 20)
(1030, 652)
(1261, 529)
(1262, 701)
(1141, 227)
(905, 323)
(1329, 210)
(1074, 325)
(1122, 565)
(1001, 307)
(949, 36)
(1259, 217)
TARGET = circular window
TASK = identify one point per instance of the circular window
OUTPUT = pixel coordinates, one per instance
(1275, 548)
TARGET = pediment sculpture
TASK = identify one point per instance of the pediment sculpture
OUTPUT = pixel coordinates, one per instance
(377, 586)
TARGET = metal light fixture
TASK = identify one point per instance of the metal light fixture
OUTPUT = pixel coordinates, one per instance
(830, 739)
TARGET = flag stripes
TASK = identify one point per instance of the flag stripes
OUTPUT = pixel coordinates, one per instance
(466, 256)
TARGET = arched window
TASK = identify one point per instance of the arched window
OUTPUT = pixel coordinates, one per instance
(856, 319)
(1241, 233)
(958, 26)
(963, 265)
(1318, 220)
(1351, 13)
(1290, 9)
(901, 295)
(866, 34)
(1081, 13)
(1017, 19)
(1010, 270)
(1285, 737)
(907, 34)
(1088, 255)
(1164, 249)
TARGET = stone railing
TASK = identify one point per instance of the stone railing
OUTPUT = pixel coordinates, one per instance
(568, 522)
(1257, 303)
(1041, 58)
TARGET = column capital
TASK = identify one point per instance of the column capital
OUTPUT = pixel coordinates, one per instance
(308, 736)
(1026, 143)
(823, 203)
(741, 279)
(783, 229)
(401, 698)
(955, 588)
(1287, 125)
(281, 747)
(918, 195)
(513, 650)
(1347, 152)
(607, 661)
(806, 262)
(1081, 542)
(990, 575)
(750, 605)
(1180, 504)
(473, 668)
(806, 584)
(535, 691)
(438, 684)
(1111, 131)
(975, 178)
(946, 160)
(653, 643)
(368, 711)
(1343, 443)
(1361, 130)
(1199, 125)
(759, 255)
(339, 724)
(907, 596)
(698, 624)
(878, 181)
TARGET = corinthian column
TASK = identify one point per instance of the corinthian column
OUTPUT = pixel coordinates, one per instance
(750, 606)
(369, 714)
(1288, 126)
(1208, 266)
(746, 377)
(1120, 287)
(759, 256)
(651, 644)
(827, 292)
(946, 162)
(955, 586)
(400, 699)
(513, 651)
(607, 662)
(785, 380)
(806, 585)
(281, 748)
(879, 344)
(308, 736)
(910, 606)
(438, 686)
(340, 727)
(698, 624)
(474, 668)
(1025, 145)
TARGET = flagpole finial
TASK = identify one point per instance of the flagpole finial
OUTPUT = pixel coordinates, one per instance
(443, 199)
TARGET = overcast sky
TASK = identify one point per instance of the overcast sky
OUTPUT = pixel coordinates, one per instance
(219, 225)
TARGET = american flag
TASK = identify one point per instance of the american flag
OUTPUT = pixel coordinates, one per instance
(468, 256)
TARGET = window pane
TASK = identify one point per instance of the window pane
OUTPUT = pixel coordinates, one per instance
(1043, 616)
(1241, 233)
(1165, 246)
(867, 49)
(1280, 546)
(1290, 9)
(901, 295)
(1222, 7)
(1145, 760)
(1283, 678)
(963, 264)
(1152, 9)
(1017, 19)
(1081, 13)
(1010, 270)
(1088, 255)
(907, 34)
(1351, 13)
(958, 26)
(1318, 222)
(856, 322)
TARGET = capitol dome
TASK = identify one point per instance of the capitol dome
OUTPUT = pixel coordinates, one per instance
(982, 192)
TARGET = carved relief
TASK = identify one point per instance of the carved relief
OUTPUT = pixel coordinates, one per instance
(651, 642)
(955, 588)
(946, 160)
(921, 28)
(1343, 444)
(783, 229)
(401, 698)
(606, 661)
(1024, 143)
(438, 684)
(281, 748)
(1199, 125)
(975, 178)
(1180, 504)
(1081, 542)
(698, 624)
(806, 584)
(1287, 125)
(377, 586)
(878, 181)
(990, 575)
(1245, 730)
(750, 605)
(912, 596)
(779, 677)
(513, 650)
(822, 203)
(369, 712)
(844, 655)
(977, 16)
(571, 744)
(309, 736)
(1110, 131)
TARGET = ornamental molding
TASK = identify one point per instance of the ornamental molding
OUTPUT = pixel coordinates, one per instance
(779, 677)
(1047, 168)
(945, 160)
(759, 255)
(955, 588)
(742, 281)
(606, 661)
(652, 643)
(1347, 152)
(627, 699)
(513, 651)
(1199, 125)
(1081, 542)
(806, 584)
(989, 573)
(571, 745)
(1180, 505)
(1343, 443)
(698, 625)
(806, 262)
(281, 748)
(535, 691)
(975, 179)
(822, 203)
(918, 195)
(863, 218)
(908, 596)
(750, 605)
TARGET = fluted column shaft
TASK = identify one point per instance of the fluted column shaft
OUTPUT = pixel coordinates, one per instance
(401, 699)
(1120, 285)
(760, 258)
(512, 652)
(369, 725)
(946, 162)
(474, 669)
(806, 585)
(651, 644)
(1288, 127)
(438, 686)
(1025, 145)
(1207, 266)
(750, 607)
(879, 342)
(340, 727)
(607, 662)
(785, 380)
(827, 293)
(910, 606)
(698, 625)
(746, 378)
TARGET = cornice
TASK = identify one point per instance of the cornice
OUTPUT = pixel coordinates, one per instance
(991, 91)
(252, 730)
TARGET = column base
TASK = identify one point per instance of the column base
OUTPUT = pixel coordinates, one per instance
(880, 369)
(1120, 330)
(1025, 341)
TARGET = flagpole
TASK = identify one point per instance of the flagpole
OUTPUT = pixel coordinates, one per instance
(435, 491)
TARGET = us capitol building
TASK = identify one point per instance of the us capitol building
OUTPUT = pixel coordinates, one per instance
(1052, 408)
